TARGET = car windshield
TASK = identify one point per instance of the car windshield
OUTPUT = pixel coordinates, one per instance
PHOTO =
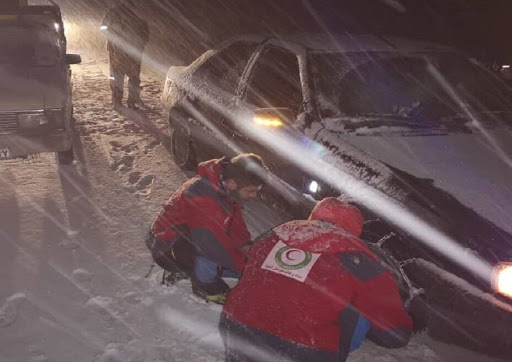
(423, 90)
(29, 46)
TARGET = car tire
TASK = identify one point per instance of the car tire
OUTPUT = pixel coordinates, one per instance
(181, 146)
(415, 303)
(65, 157)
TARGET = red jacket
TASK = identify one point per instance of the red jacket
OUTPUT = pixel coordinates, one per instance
(203, 209)
(277, 294)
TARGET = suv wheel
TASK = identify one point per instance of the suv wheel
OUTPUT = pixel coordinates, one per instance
(181, 146)
(65, 157)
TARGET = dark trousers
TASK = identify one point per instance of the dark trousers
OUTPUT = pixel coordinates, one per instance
(181, 256)
(245, 344)
(178, 255)
(124, 65)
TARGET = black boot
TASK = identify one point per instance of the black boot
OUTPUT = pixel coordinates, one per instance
(133, 101)
(171, 277)
(216, 292)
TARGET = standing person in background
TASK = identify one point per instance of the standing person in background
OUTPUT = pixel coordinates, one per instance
(312, 291)
(127, 35)
(201, 232)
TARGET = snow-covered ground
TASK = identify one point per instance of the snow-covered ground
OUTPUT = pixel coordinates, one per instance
(72, 255)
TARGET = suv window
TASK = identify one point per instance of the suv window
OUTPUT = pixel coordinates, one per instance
(275, 81)
(225, 68)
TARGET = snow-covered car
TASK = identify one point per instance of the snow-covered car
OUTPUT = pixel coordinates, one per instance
(35, 84)
(416, 133)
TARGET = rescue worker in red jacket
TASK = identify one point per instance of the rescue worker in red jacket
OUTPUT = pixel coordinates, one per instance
(201, 232)
(127, 35)
(313, 291)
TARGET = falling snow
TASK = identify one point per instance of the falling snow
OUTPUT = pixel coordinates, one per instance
(73, 262)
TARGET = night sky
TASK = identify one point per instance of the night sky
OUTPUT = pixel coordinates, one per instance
(188, 27)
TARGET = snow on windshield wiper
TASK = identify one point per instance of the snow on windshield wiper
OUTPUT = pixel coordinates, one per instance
(388, 120)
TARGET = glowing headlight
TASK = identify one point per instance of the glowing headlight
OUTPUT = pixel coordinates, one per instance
(103, 27)
(313, 186)
(502, 279)
(268, 121)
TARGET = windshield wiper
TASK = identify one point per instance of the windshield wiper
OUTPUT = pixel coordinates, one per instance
(386, 120)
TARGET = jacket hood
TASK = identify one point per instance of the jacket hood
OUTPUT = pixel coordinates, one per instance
(334, 211)
(317, 237)
(211, 170)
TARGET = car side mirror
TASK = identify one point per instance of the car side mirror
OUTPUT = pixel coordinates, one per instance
(273, 117)
(73, 59)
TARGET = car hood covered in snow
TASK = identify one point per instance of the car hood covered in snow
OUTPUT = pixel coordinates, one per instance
(472, 167)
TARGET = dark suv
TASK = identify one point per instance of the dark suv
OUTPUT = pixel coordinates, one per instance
(35, 84)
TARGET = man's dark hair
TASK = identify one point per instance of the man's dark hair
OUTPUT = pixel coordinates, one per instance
(246, 169)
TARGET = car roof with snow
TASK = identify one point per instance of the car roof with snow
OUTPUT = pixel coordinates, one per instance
(344, 43)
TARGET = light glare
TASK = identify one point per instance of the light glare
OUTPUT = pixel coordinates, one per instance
(103, 27)
(313, 187)
(503, 279)
(57, 26)
(268, 121)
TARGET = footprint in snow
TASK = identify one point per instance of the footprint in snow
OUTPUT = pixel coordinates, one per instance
(116, 144)
(37, 354)
(102, 306)
(132, 298)
(152, 145)
(9, 311)
(134, 177)
(126, 161)
(82, 275)
(127, 148)
(69, 244)
(139, 183)
(145, 182)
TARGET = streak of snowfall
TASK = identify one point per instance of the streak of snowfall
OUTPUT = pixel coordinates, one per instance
(72, 257)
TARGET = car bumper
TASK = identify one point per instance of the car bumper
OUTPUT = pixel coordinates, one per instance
(459, 313)
(486, 331)
(18, 145)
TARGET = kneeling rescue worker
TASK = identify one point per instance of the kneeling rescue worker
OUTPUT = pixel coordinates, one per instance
(200, 232)
(313, 291)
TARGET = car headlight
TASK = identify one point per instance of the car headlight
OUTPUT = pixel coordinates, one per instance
(56, 117)
(32, 120)
(268, 121)
(313, 187)
(502, 279)
(49, 119)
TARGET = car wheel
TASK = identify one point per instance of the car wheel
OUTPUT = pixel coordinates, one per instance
(413, 298)
(181, 146)
(65, 157)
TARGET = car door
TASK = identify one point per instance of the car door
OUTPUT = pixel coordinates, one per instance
(273, 81)
(215, 82)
